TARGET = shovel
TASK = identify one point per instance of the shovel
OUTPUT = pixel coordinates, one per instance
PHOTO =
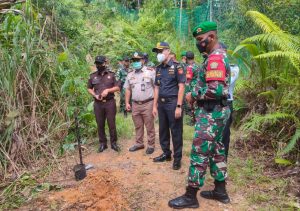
(79, 169)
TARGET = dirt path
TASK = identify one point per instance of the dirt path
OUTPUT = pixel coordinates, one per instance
(125, 181)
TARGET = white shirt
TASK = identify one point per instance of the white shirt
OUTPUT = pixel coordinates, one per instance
(234, 74)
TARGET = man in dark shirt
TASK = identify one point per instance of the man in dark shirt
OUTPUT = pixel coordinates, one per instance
(102, 85)
(168, 97)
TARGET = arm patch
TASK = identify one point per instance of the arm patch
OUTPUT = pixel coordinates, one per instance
(216, 69)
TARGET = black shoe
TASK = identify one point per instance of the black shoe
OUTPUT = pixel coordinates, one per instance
(219, 193)
(176, 164)
(162, 158)
(102, 148)
(135, 148)
(188, 200)
(149, 150)
(115, 147)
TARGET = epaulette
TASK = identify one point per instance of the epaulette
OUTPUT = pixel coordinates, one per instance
(150, 68)
(94, 71)
(130, 70)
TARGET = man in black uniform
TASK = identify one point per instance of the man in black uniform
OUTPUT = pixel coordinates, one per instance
(102, 85)
(168, 97)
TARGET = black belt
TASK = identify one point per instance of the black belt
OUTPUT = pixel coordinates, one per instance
(143, 102)
(104, 100)
(209, 105)
(166, 99)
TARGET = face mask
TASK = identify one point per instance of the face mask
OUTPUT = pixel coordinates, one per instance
(136, 65)
(100, 68)
(202, 45)
(160, 57)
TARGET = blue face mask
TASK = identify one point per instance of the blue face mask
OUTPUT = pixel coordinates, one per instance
(136, 65)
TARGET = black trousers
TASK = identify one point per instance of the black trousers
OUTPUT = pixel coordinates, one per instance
(106, 111)
(226, 131)
(167, 124)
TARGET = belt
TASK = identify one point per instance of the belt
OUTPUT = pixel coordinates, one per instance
(167, 99)
(209, 105)
(143, 102)
(104, 100)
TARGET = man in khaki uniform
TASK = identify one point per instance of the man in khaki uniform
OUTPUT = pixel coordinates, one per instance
(140, 85)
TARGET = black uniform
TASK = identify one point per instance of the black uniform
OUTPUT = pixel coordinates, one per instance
(168, 76)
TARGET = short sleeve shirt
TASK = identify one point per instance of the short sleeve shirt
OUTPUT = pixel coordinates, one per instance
(168, 76)
(141, 84)
(100, 82)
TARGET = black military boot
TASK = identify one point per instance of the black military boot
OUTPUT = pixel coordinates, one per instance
(188, 200)
(219, 193)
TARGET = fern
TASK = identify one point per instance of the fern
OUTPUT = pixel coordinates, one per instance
(257, 120)
(263, 22)
(292, 143)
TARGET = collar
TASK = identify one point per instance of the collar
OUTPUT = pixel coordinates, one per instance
(103, 72)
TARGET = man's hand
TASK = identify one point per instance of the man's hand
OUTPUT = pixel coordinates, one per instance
(178, 113)
(97, 97)
(104, 93)
(128, 107)
(154, 111)
(189, 98)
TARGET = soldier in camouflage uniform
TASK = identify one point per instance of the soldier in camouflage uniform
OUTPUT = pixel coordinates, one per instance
(191, 71)
(210, 92)
(121, 76)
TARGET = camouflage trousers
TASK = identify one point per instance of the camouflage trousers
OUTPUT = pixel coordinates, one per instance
(122, 101)
(207, 148)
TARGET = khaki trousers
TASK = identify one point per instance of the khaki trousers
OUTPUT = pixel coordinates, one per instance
(142, 116)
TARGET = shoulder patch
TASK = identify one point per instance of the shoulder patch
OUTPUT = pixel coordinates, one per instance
(180, 70)
(215, 70)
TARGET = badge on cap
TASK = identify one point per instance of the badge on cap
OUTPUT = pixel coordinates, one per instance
(199, 30)
(135, 54)
(108, 77)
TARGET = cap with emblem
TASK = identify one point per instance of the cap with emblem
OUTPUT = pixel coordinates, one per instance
(183, 53)
(190, 55)
(137, 55)
(100, 59)
(161, 46)
(204, 27)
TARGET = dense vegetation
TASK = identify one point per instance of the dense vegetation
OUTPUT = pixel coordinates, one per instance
(47, 50)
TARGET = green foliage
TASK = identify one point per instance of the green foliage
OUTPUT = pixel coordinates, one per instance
(275, 61)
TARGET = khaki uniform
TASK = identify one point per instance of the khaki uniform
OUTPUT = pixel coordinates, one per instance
(141, 85)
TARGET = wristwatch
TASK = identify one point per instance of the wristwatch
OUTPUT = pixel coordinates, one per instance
(178, 106)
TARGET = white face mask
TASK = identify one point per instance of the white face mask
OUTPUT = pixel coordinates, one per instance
(160, 57)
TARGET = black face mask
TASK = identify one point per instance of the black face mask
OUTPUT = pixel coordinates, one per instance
(100, 68)
(202, 45)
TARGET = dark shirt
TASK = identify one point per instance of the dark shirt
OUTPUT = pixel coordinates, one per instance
(168, 76)
(100, 82)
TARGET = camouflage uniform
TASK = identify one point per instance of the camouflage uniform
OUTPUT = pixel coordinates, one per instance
(211, 92)
(191, 78)
(121, 76)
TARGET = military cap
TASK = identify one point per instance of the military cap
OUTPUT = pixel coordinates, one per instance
(183, 53)
(161, 46)
(204, 27)
(190, 55)
(137, 55)
(100, 59)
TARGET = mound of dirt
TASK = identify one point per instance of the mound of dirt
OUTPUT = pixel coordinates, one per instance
(98, 191)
